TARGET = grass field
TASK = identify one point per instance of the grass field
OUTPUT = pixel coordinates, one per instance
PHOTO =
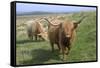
(39, 52)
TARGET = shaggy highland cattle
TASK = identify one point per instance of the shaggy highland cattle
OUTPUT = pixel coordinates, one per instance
(36, 29)
(62, 33)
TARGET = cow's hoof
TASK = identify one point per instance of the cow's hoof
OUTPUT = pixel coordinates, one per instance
(65, 58)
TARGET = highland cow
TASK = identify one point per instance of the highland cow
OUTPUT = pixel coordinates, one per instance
(36, 29)
(62, 33)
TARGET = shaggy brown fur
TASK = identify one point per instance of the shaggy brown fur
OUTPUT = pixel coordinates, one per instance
(62, 34)
(36, 29)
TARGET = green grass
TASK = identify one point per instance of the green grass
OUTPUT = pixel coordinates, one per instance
(39, 52)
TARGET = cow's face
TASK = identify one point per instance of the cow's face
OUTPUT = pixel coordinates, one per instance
(68, 28)
(44, 36)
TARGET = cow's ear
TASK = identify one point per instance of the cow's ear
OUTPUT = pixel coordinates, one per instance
(75, 25)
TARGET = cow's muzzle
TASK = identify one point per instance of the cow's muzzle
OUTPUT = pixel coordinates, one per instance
(68, 36)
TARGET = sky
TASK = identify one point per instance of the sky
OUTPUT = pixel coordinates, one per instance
(28, 7)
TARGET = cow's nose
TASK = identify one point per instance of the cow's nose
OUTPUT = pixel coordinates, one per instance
(68, 36)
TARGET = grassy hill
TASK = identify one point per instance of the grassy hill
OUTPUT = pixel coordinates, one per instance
(39, 52)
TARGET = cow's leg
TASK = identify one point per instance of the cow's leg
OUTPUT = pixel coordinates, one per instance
(63, 53)
(35, 37)
(52, 46)
(61, 49)
(58, 46)
(68, 49)
(31, 37)
(39, 36)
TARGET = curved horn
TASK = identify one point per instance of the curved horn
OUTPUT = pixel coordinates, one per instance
(47, 20)
(51, 23)
(81, 20)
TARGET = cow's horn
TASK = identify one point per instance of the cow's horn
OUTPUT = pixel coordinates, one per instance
(47, 20)
(51, 23)
(81, 20)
